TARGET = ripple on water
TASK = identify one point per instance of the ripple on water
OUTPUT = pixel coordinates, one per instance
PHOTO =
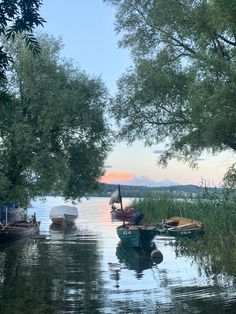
(84, 270)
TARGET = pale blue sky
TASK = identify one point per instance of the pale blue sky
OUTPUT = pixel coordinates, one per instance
(87, 30)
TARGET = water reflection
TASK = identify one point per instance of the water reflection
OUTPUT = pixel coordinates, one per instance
(86, 270)
(214, 262)
(50, 276)
(137, 259)
(61, 232)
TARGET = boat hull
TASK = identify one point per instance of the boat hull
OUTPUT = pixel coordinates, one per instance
(62, 215)
(18, 230)
(66, 220)
(182, 232)
(181, 226)
(58, 220)
(137, 235)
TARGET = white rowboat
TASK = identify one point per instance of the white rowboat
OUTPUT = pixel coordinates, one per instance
(63, 214)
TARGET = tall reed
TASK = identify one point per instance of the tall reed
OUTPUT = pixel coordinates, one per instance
(218, 215)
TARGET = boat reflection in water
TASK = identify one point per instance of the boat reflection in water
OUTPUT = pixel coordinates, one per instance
(62, 232)
(138, 258)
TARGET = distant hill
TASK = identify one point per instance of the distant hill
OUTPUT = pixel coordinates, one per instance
(174, 191)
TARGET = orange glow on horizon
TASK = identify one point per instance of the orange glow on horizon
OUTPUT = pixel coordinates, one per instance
(110, 177)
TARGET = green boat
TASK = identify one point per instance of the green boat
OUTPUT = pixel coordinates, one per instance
(133, 234)
(137, 235)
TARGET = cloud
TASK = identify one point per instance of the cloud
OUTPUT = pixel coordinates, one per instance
(199, 159)
(116, 177)
(158, 151)
(127, 178)
(107, 166)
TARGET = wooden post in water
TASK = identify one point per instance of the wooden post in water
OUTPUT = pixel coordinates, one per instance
(121, 205)
(6, 222)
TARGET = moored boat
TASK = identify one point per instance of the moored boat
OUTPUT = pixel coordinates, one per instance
(182, 226)
(120, 213)
(19, 230)
(63, 214)
(137, 235)
(126, 214)
(133, 233)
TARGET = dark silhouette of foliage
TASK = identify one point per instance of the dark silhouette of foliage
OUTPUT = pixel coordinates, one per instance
(54, 135)
(18, 16)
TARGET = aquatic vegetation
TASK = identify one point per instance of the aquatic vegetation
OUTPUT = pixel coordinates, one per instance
(215, 250)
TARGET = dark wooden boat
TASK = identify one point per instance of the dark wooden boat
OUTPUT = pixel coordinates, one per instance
(126, 214)
(18, 230)
(182, 226)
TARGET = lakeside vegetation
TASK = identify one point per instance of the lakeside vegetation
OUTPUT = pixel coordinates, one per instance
(215, 251)
(176, 191)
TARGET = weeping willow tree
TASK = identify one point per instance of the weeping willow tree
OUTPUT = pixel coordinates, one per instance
(53, 131)
(182, 88)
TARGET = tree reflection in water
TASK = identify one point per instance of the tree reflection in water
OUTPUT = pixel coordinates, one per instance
(46, 276)
(84, 271)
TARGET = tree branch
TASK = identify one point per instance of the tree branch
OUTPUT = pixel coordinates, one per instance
(232, 43)
(177, 41)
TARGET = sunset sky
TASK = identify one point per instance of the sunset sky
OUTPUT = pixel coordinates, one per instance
(87, 30)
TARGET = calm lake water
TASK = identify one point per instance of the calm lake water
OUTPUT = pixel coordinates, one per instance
(87, 270)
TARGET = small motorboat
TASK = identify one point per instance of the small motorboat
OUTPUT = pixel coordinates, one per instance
(133, 233)
(182, 226)
(63, 214)
(137, 235)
